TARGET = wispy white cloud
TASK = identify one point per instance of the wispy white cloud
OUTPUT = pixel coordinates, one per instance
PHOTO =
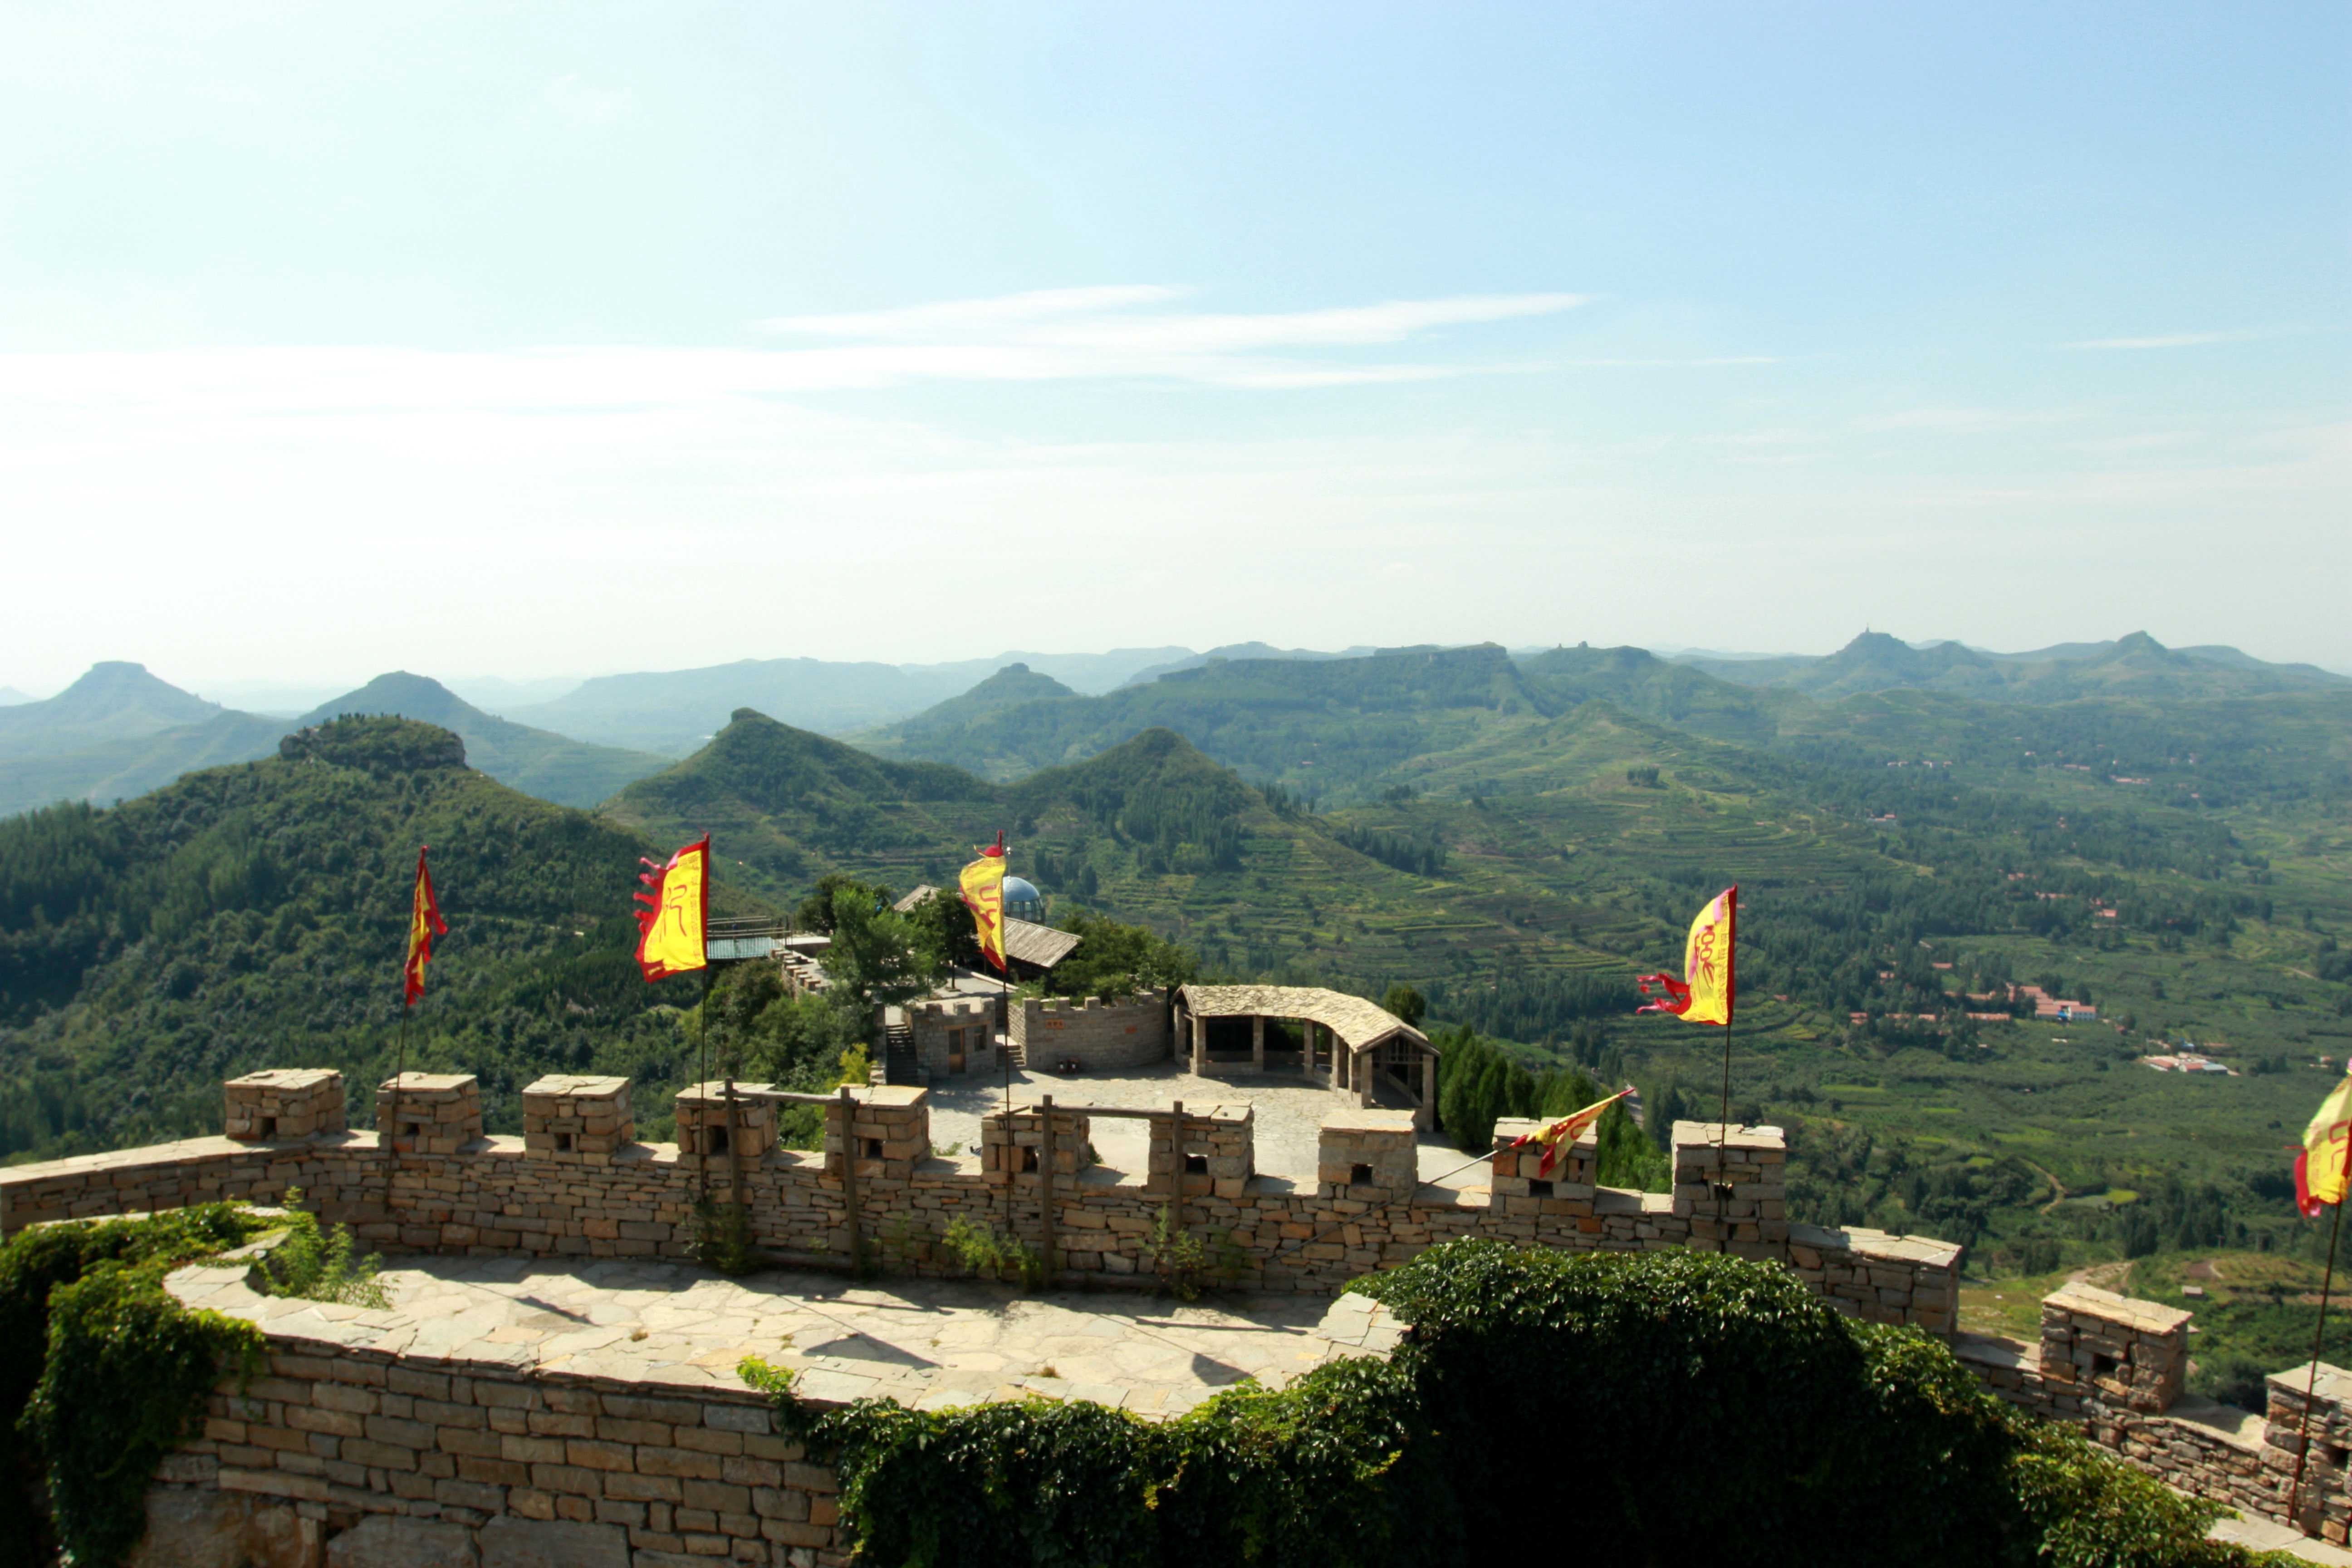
(2166, 341)
(1966, 421)
(1131, 331)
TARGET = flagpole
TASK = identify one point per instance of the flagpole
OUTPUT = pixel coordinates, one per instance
(1722, 1138)
(390, 1138)
(1004, 982)
(2311, 1384)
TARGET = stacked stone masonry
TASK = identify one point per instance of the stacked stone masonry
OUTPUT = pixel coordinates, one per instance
(350, 1457)
(953, 1036)
(1095, 1035)
(283, 1103)
(2114, 1366)
(359, 1443)
(431, 1112)
(345, 1457)
(577, 1117)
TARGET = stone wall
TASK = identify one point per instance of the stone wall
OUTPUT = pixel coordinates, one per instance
(502, 1195)
(938, 1025)
(2114, 1367)
(1098, 1034)
(350, 1456)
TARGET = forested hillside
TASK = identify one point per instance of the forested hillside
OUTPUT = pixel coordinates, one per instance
(255, 916)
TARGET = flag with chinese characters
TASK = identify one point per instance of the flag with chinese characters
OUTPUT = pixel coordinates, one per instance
(1703, 995)
(1565, 1130)
(671, 929)
(424, 923)
(983, 894)
(2320, 1165)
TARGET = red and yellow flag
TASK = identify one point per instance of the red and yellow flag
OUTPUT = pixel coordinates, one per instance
(424, 923)
(983, 895)
(2321, 1165)
(1565, 1130)
(671, 929)
(1703, 996)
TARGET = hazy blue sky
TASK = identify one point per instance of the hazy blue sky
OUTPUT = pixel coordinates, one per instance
(533, 340)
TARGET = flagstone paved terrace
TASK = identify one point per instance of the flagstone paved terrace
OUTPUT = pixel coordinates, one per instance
(1288, 1112)
(927, 1343)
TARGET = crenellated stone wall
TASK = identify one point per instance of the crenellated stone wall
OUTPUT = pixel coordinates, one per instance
(1095, 1034)
(474, 1194)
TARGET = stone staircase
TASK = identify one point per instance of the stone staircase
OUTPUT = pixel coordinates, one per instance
(898, 1062)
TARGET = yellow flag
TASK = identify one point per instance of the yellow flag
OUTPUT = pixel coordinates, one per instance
(2319, 1170)
(672, 926)
(1568, 1129)
(1704, 994)
(983, 895)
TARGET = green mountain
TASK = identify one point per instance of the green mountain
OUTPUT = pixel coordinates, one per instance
(256, 915)
(112, 701)
(552, 767)
(117, 769)
(2133, 667)
(10, 697)
(675, 712)
(1320, 725)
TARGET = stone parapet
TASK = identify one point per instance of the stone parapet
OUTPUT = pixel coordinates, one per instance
(703, 1127)
(283, 1103)
(1879, 1277)
(1012, 1145)
(569, 1118)
(2133, 1354)
(1368, 1156)
(1213, 1151)
(437, 1112)
(1093, 1035)
(1731, 1184)
(889, 1127)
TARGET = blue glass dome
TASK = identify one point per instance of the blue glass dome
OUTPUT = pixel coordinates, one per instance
(1023, 901)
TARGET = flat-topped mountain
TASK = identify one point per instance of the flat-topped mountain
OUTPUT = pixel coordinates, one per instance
(257, 914)
(2136, 666)
(550, 766)
(115, 700)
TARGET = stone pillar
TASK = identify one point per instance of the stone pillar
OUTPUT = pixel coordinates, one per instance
(572, 1118)
(2126, 1352)
(1367, 1157)
(1750, 1217)
(1257, 1044)
(1364, 1073)
(283, 1103)
(1426, 1117)
(1200, 1046)
(701, 1115)
(439, 1113)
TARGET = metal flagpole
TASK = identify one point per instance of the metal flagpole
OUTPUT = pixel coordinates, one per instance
(390, 1137)
(2311, 1384)
(1722, 1137)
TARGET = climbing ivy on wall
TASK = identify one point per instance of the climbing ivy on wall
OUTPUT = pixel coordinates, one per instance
(102, 1372)
(1651, 1407)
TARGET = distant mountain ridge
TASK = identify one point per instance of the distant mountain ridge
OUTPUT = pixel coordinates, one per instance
(675, 712)
(550, 766)
(120, 733)
(2132, 665)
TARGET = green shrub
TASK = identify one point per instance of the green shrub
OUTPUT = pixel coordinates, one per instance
(102, 1372)
(1658, 1407)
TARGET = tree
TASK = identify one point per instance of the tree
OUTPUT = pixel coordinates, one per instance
(819, 911)
(1406, 1003)
(873, 961)
(1117, 960)
(945, 937)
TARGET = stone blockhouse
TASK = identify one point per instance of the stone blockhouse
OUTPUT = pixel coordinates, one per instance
(283, 1103)
(954, 1035)
(1093, 1035)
